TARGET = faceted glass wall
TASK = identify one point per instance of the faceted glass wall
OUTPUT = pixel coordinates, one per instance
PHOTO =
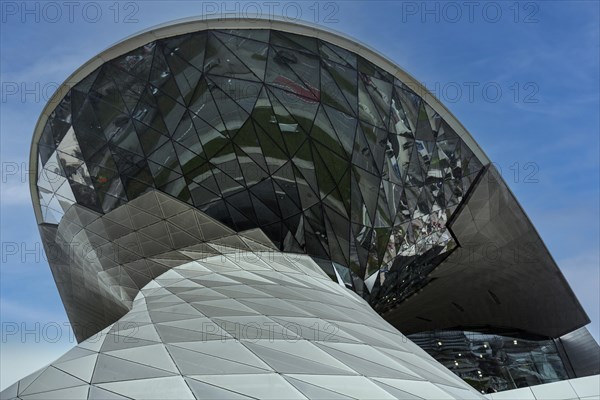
(493, 363)
(325, 152)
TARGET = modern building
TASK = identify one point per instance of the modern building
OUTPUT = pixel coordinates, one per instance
(263, 209)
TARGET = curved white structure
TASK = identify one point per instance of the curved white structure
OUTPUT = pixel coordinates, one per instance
(246, 323)
(257, 207)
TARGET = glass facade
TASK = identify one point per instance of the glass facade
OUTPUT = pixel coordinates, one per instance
(322, 150)
(491, 362)
(258, 139)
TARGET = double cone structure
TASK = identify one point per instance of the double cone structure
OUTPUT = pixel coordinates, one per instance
(230, 207)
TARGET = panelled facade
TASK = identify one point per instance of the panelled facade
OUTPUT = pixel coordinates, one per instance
(219, 172)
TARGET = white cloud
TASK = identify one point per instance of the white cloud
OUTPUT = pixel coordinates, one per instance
(45, 70)
(15, 194)
(31, 338)
(18, 360)
(17, 312)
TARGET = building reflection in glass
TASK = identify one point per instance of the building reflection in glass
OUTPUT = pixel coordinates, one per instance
(493, 363)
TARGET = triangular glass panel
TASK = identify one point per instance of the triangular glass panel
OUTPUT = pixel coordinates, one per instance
(251, 53)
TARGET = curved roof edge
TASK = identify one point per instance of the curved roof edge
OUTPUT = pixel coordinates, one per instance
(200, 23)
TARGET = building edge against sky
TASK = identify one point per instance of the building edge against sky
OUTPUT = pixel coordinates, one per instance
(445, 197)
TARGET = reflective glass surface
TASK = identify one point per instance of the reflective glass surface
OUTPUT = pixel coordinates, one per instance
(322, 150)
(492, 363)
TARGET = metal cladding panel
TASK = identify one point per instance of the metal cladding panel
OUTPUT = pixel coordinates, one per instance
(189, 140)
(325, 152)
(500, 275)
(582, 352)
(220, 327)
(587, 388)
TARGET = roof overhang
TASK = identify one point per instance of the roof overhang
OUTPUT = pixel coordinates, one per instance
(501, 276)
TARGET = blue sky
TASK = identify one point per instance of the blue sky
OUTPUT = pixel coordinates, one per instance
(522, 77)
